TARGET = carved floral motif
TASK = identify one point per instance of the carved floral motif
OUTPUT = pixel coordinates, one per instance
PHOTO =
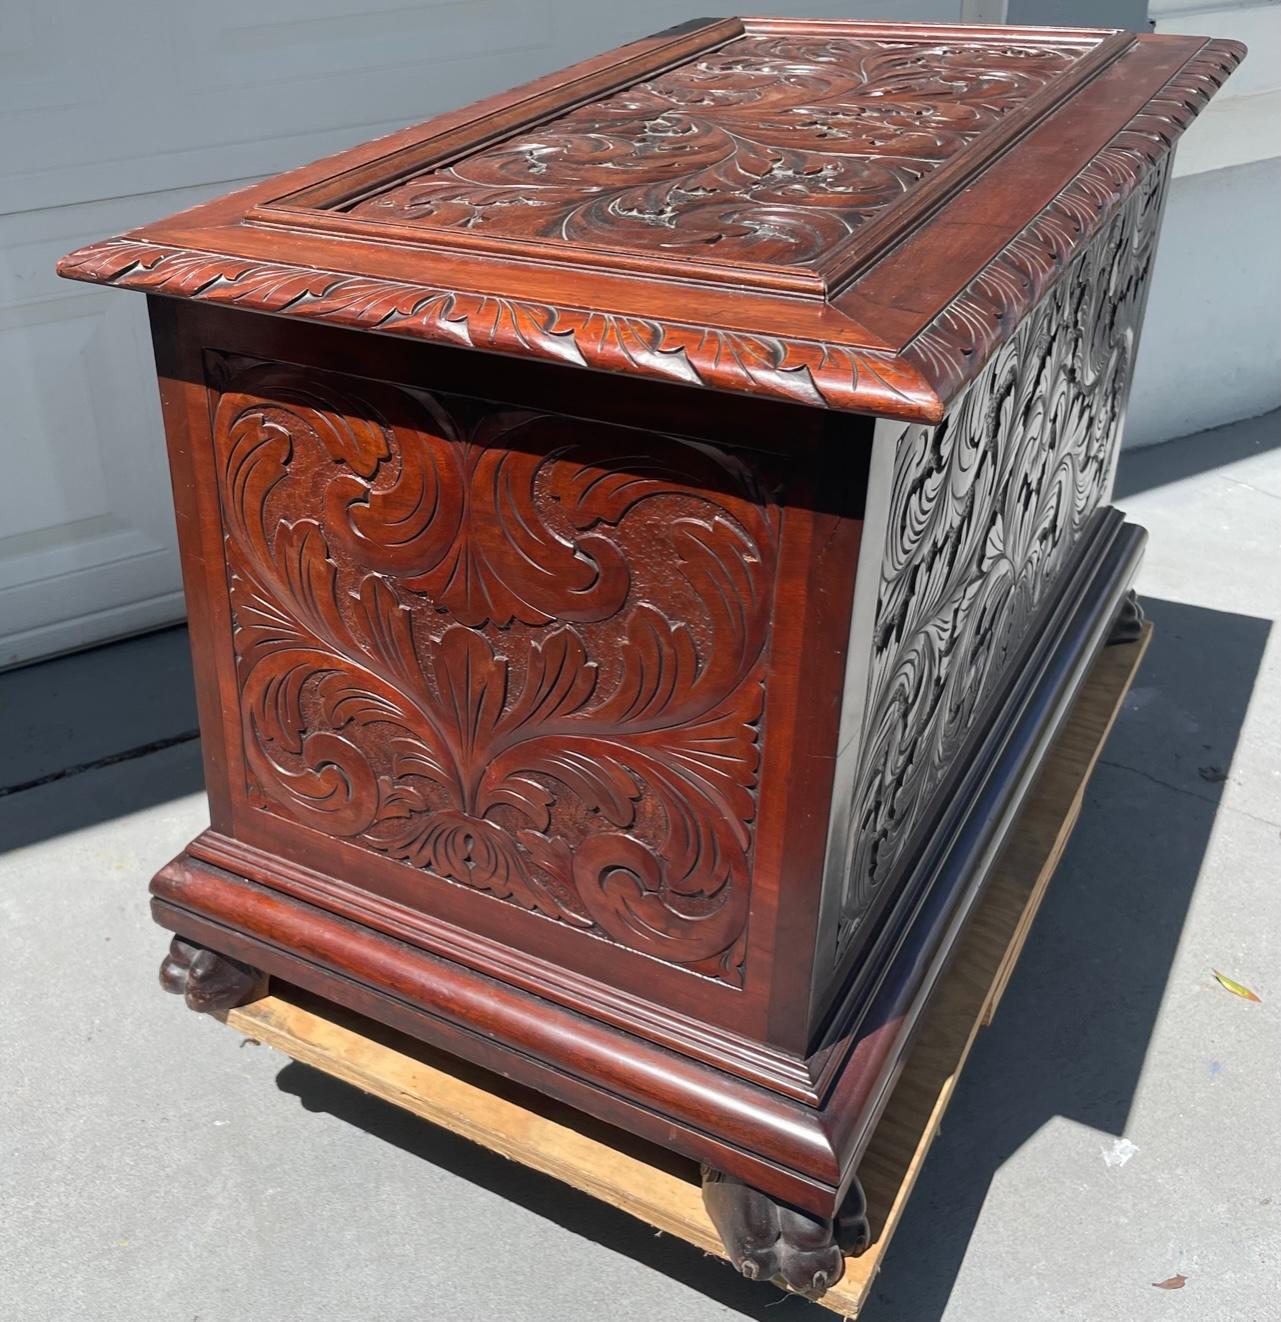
(449, 651)
(985, 513)
(771, 149)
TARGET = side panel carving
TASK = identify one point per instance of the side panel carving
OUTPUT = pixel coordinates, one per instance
(519, 652)
(985, 511)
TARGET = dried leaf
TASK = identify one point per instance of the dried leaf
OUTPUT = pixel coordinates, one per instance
(1228, 984)
(1175, 1282)
(1214, 775)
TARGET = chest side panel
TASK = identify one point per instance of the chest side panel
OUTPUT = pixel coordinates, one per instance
(980, 518)
(509, 651)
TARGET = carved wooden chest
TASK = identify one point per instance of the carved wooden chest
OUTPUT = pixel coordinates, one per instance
(640, 534)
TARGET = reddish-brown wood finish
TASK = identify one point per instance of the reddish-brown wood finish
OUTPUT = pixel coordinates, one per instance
(899, 341)
(703, 739)
(768, 161)
(522, 686)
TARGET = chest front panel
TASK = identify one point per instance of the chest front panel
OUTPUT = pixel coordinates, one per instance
(508, 651)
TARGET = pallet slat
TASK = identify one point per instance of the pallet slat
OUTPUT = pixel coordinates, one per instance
(662, 1188)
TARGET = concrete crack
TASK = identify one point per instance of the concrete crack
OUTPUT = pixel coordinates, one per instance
(1191, 794)
(111, 760)
(1249, 486)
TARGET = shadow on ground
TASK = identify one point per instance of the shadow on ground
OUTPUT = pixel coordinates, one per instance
(1073, 1028)
(89, 737)
(1074, 1025)
(1174, 461)
(576, 1212)
(96, 735)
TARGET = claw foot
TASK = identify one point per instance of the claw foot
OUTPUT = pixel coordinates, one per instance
(770, 1241)
(209, 981)
(1128, 625)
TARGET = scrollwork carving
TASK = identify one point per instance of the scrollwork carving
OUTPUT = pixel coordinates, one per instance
(985, 513)
(771, 149)
(502, 647)
(914, 385)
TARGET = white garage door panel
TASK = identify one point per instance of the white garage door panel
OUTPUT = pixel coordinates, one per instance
(86, 526)
(115, 112)
(112, 117)
(191, 96)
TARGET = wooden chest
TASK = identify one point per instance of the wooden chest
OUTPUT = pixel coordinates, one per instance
(641, 533)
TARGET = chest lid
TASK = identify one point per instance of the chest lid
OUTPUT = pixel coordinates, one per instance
(800, 209)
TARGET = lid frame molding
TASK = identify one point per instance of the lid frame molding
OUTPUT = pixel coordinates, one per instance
(914, 383)
(322, 206)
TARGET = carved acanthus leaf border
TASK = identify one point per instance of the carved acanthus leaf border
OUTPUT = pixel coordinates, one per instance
(915, 385)
(801, 371)
(953, 349)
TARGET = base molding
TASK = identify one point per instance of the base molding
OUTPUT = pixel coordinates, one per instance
(756, 1062)
(798, 1154)
(665, 1190)
(701, 1111)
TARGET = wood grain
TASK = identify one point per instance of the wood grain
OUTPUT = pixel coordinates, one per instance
(663, 1189)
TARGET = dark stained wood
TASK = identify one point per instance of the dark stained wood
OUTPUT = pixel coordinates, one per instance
(976, 264)
(639, 713)
(207, 981)
(1128, 625)
(805, 558)
(770, 1241)
(967, 516)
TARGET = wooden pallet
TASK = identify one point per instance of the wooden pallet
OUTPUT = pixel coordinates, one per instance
(663, 1189)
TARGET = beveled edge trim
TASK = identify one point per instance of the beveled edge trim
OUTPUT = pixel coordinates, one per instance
(887, 436)
(859, 251)
(461, 132)
(915, 385)
(997, 33)
(954, 347)
(798, 281)
(777, 367)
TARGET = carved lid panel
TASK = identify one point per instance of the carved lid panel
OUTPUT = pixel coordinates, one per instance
(775, 149)
(845, 215)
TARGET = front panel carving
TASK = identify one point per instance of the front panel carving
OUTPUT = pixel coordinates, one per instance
(985, 512)
(515, 651)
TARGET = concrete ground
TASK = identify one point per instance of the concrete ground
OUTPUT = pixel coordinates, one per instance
(1116, 1127)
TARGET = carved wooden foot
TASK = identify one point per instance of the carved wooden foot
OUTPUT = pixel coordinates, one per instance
(770, 1241)
(207, 980)
(1128, 625)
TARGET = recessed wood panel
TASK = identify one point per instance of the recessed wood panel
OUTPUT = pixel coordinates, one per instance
(773, 150)
(517, 652)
